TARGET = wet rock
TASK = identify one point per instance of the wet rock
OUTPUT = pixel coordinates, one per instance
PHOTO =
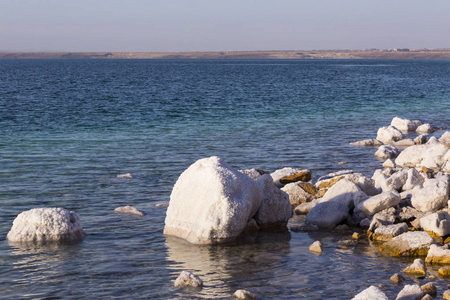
(389, 134)
(128, 209)
(371, 292)
(444, 272)
(46, 225)
(397, 278)
(438, 223)
(418, 267)
(405, 124)
(316, 247)
(410, 292)
(412, 243)
(187, 279)
(289, 175)
(438, 255)
(244, 294)
(388, 232)
(429, 289)
(211, 203)
(367, 143)
(127, 176)
(387, 151)
(275, 209)
(432, 197)
(378, 203)
(297, 195)
(328, 214)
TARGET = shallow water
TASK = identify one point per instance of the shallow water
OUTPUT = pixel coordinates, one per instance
(69, 127)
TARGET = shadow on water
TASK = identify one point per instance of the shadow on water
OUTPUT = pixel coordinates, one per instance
(246, 263)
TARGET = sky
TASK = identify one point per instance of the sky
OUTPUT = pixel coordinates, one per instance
(213, 25)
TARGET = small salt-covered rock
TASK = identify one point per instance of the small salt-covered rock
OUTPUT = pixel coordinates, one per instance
(405, 124)
(187, 279)
(429, 289)
(404, 143)
(378, 203)
(388, 232)
(367, 143)
(244, 294)
(413, 179)
(411, 243)
(316, 247)
(389, 163)
(418, 267)
(396, 181)
(438, 255)
(387, 151)
(410, 292)
(127, 176)
(438, 223)
(444, 271)
(162, 204)
(397, 278)
(425, 128)
(297, 195)
(128, 209)
(389, 134)
(287, 175)
(46, 224)
(433, 196)
(371, 292)
(253, 173)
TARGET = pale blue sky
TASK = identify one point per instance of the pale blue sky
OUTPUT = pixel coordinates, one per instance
(209, 25)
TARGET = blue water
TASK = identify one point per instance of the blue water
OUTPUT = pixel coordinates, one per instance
(69, 127)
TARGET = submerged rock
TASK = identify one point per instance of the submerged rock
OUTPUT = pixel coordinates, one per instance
(316, 247)
(371, 292)
(412, 243)
(127, 176)
(187, 279)
(128, 209)
(211, 203)
(244, 294)
(46, 224)
(367, 143)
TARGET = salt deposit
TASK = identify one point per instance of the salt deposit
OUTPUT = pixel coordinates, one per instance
(389, 134)
(438, 223)
(128, 209)
(372, 293)
(410, 292)
(417, 267)
(405, 124)
(46, 224)
(187, 279)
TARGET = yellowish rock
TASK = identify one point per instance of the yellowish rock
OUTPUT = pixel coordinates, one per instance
(321, 193)
(302, 176)
(316, 247)
(397, 278)
(429, 289)
(446, 295)
(417, 267)
(308, 187)
(326, 184)
(444, 271)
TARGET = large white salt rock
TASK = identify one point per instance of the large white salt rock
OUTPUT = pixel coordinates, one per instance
(396, 181)
(438, 222)
(389, 134)
(328, 214)
(46, 224)
(413, 179)
(297, 195)
(424, 128)
(378, 203)
(438, 255)
(387, 151)
(411, 243)
(346, 192)
(414, 155)
(367, 185)
(433, 196)
(253, 173)
(371, 293)
(405, 124)
(387, 232)
(211, 202)
(410, 292)
(445, 138)
(275, 209)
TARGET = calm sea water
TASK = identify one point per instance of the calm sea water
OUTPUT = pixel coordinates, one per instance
(69, 127)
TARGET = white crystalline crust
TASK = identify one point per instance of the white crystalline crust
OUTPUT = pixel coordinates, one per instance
(415, 239)
(46, 224)
(372, 293)
(437, 251)
(410, 291)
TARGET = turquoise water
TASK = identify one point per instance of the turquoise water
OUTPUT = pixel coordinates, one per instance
(69, 127)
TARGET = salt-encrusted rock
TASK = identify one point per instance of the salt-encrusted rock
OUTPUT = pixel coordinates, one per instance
(316, 247)
(328, 214)
(211, 203)
(304, 228)
(432, 197)
(128, 209)
(438, 223)
(367, 143)
(187, 279)
(425, 128)
(429, 289)
(275, 209)
(346, 192)
(389, 163)
(445, 138)
(379, 220)
(444, 272)
(410, 292)
(244, 294)
(418, 267)
(426, 155)
(297, 195)
(396, 181)
(330, 179)
(426, 297)
(367, 185)
(387, 151)
(405, 124)
(304, 208)
(433, 141)
(411, 243)
(46, 224)
(127, 176)
(409, 213)
(438, 255)
(404, 143)
(288, 175)
(377, 203)
(388, 232)
(253, 173)
(397, 278)
(421, 139)
(413, 179)
(389, 134)
(372, 293)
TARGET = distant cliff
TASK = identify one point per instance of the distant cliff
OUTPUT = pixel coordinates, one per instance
(402, 53)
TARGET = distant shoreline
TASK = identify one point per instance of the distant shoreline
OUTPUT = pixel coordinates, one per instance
(297, 54)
